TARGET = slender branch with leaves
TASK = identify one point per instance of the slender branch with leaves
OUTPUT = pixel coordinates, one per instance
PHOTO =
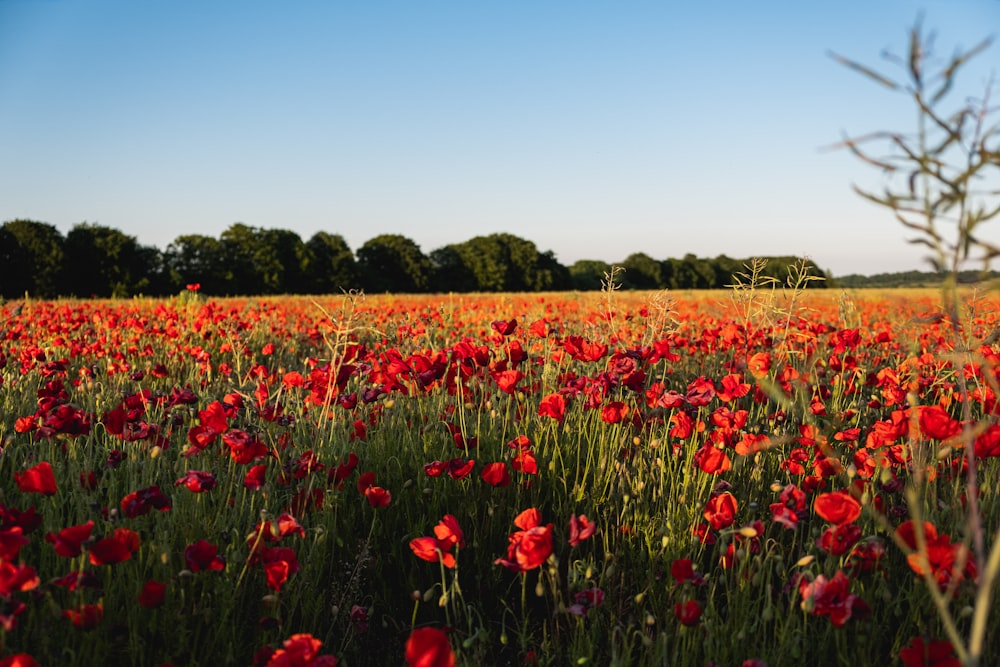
(942, 184)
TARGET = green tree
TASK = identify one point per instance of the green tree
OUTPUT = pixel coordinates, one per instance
(394, 263)
(196, 258)
(642, 272)
(33, 254)
(330, 266)
(588, 274)
(104, 262)
(451, 273)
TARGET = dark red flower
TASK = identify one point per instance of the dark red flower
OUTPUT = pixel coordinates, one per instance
(197, 481)
(68, 541)
(378, 497)
(85, 616)
(117, 548)
(920, 652)
(832, 597)
(301, 650)
(152, 594)
(15, 578)
(202, 556)
(142, 501)
(688, 612)
(553, 406)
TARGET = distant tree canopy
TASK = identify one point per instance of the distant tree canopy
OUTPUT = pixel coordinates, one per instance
(94, 260)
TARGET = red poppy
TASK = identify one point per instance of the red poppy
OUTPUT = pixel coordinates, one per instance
(507, 380)
(301, 650)
(19, 660)
(202, 556)
(496, 474)
(14, 578)
(553, 406)
(378, 497)
(524, 461)
(117, 548)
(365, 480)
(460, 468)
(700, 392)
(920, 652)
(836, 540)
(197, 481)
(832, 597)
(141, 501)
(759, 364)
(580, 528)
(720, 511)
(279, 563)
(711, 459)
(38, 479)
(11, 541)
(85, 616)
(944, 558)
(152, 594)
(529, 547)
(504, 327)
(614, 412)
(254, 479)
(837, 507)
(68, 542)
(688, 612)
(937, 424)
(429, 647)
(432, 550)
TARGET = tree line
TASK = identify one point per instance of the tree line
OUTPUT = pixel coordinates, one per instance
(93, 260)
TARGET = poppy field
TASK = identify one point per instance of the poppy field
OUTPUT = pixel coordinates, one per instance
(747, 477)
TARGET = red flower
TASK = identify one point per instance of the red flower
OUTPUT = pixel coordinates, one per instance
(614, 412)
(15, 578)
(197, 481)
(720, 511)
(837, 507)
(688, 612)
(496, 474)
(580, 528)
(142, 501)
(448, 531)
(11, 542)
(529, 547)
(553, 406)
(301, 650)
(937, 424)
(279, 564)
(68, 541)
(378, 497)
(429, 647)
(524, 461)
(836, 540)
(85, 616)
(507, 380)
(944, 558)
(504, 327)
(928, 653)
(152, 594)
(38, 479)
(432, 550)
(117, 548)
(831, 597)
(19, 660)
(203, 556)
(711, 459)
(682, 570)
(254, 479)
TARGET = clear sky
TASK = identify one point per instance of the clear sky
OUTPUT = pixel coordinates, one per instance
(594, 129)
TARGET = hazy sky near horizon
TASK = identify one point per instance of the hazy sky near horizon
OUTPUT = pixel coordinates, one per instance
(594, 129)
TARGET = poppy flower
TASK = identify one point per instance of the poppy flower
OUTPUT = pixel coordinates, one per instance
(279, 563)
(504, 327)
(15, 578)
(301, 650)
(85, 616)
(720, 510)
(197, 481)
(19, 660)
(68, 542)
(11, 541)
(688, 612)
(378, 497)
(529, 547)
(832, 598)
(429, 647)
(553, 406)
(38, 479)
(152, 594)
(202, 556)
(524, 461)
(838, 507)
(433, 550)
(496, 474)
(836, 540)
(117, 548)
(580, 529)
(920, 652)
(448, 531)
(254, 479)
(142, 501)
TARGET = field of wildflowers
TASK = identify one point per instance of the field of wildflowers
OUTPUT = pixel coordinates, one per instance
(751, 477)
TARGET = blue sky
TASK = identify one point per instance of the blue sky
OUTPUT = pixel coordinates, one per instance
(594, 129)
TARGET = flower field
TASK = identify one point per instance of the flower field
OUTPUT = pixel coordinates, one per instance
(727, 478)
